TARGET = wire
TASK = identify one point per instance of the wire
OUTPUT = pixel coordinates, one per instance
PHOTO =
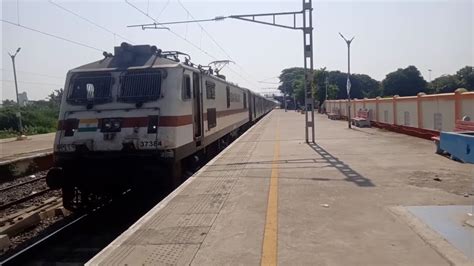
(163, 9)
(215, 42)
(52, 35)
(89, 21)
(205, 31)
(18, 11)
(182, 38)
(30, 82)
(32, 73)
(174, 33)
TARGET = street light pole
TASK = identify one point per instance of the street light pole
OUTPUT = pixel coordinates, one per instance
(326, 98)
(348, 85)
(326, 82)
(294, 101)
(429, 71)
(20, 126)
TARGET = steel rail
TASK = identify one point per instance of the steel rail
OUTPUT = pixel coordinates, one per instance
(43, 239)
(20, 200)
(22, 183)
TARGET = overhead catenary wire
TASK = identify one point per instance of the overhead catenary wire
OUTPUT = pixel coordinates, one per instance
(163, 9)
(181, 37)
(174, 33)
(52, 35)
(89, 21)
(213, 39)
(32, 73)
(18, 11)
(31, 82)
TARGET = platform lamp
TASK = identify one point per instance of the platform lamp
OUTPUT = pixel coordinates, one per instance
(348, 85)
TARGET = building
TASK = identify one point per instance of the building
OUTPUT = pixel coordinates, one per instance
(23, 98)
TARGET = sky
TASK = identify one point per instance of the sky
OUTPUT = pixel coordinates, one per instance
(437, 35)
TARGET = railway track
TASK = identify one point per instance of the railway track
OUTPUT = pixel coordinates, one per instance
(77, 238)
(24, 199)
(27, 206)
(24, 192)
(17, 255)
(6, 188)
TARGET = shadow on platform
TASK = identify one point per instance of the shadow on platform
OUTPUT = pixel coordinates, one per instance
(350, 174)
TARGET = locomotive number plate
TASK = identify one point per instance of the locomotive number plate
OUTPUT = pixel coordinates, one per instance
(148, 144)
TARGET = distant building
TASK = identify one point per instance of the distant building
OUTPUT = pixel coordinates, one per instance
(23, 98)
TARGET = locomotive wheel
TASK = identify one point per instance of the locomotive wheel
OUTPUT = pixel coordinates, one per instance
(71, 198)
(77, 200)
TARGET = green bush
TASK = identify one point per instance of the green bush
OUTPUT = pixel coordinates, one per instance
(38, 118)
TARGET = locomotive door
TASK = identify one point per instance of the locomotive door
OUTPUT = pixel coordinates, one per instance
(197, 108)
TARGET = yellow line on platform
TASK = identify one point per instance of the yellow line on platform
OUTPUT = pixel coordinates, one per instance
(270, 237)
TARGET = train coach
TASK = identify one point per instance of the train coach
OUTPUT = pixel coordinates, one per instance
(133, 118)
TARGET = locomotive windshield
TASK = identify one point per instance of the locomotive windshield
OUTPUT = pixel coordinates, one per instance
(140, 86)
(90, 88)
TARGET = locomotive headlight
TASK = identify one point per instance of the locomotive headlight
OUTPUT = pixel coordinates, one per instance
(116, 124)
(111, 125)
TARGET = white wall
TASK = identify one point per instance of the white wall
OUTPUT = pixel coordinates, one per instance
(439, 108)
(410, 107)
(386, 111)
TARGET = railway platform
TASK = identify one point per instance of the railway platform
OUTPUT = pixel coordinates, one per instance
(12, 149)
(23, 156)
(270, 198)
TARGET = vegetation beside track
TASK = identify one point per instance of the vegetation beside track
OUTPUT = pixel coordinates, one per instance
(38, 117)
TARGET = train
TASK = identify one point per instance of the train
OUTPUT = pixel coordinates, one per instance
(135, 117)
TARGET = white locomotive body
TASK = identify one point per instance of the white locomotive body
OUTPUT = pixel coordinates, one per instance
(138, 112)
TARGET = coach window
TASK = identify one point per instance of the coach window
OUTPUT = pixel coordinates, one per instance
(186, 90)
(210, 90)
(227, 90)
(245, 101)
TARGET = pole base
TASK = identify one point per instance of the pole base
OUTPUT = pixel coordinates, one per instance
(21, 137)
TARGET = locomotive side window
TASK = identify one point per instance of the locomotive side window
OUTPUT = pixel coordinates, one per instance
(140, 86)
(87, 88)
(211, 118)
(186, 90)
(227, 90)
(210, 90)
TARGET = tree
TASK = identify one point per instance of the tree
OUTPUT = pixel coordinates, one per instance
(7, 103)
(444, 84)
(404, 82)
(466, 77)
(332, 91)
(365, 86)
(288, 77)
(292, 80)
(56, 96)
(298, 90)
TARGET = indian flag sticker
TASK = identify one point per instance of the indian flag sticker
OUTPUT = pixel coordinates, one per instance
(88, 125)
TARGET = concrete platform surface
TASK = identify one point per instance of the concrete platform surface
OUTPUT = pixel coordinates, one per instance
(270, 198)
(11, 149)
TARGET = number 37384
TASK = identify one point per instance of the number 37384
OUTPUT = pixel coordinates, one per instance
(148, 143)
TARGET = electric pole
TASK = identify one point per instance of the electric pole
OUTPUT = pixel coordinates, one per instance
(326, 98)
(306, 26)
(348, 84)
(18, 114)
